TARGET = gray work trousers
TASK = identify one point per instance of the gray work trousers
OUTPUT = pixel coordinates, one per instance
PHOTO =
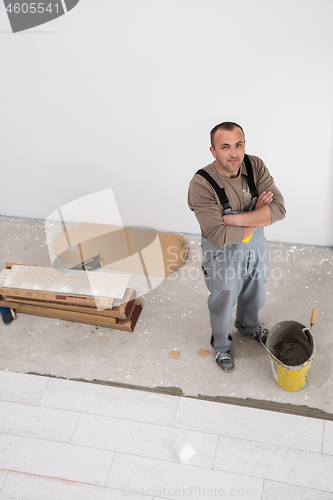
(235, 274)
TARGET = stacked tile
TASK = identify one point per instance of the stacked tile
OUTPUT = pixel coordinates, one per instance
(83, 297)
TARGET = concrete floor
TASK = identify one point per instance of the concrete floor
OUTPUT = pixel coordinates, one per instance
(175, 316)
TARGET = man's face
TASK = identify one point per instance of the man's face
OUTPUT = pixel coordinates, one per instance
(228, 151)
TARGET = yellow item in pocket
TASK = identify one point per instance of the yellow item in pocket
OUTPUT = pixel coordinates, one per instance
(248, 238)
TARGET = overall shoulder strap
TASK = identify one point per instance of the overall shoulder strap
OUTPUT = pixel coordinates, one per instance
(249, 170)
(219, 191)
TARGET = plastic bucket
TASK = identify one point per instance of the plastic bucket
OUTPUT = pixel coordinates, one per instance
(291, 349)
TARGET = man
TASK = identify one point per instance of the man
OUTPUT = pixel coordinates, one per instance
(235, 256)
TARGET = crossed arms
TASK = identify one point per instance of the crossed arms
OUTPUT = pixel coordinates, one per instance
(204, 202)
(250, 221)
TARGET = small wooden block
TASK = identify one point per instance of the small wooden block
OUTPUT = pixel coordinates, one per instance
(203, 353)
(174, 354)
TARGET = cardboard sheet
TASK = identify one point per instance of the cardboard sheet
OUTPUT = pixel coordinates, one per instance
(129, 250)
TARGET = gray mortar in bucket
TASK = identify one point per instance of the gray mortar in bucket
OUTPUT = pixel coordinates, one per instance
(291, 343)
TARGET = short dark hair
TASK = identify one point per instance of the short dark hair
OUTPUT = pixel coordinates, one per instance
(224, 126)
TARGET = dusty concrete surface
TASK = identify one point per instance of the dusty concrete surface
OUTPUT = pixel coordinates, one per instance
(175, 316)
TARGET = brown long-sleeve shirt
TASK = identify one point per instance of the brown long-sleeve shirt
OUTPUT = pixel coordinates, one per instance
(204, 202)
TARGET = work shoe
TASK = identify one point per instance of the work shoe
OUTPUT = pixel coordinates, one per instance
(225, 361)
(260, 334)
(9, 316)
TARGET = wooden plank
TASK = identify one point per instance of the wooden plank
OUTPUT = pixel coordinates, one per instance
(124, 308)
(69, 307)
(85, 318)
(120, 312)
(9, 265)
(56, 297)
(130, 322)
(135, 316)
(96, 285)
(49, 312)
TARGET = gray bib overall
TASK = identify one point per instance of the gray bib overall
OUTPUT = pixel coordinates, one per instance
(235, 274)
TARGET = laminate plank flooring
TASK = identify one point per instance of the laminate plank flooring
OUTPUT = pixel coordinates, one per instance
(36, 422)
(27, 487)
(279, 491)
(58, 460)
(288, 465)
(145, 440)
(3, 476)
(81, 441)
(250, 423)
(110, 401)
(21, 388)
(170, 480)
(328, 438)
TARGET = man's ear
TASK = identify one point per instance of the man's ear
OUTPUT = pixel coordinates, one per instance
(212, 150)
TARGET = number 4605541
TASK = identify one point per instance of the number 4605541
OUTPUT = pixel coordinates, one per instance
(32, 8)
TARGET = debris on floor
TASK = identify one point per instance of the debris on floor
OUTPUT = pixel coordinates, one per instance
(203, 352)
(174, 354)
(183, 449)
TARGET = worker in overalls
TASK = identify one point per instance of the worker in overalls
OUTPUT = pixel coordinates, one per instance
(234, 198)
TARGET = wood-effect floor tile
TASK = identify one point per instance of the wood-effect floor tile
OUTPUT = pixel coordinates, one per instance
(21, 388)
(3, 475)
(137, 475)
(46, 458)
(142, 439)
(280, 491)
(36, 422)
(328, 438)
(28, 487)
(277, 463)
(250, 423)
(110, 401)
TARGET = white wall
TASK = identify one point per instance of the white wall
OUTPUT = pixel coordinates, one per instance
(122, 94)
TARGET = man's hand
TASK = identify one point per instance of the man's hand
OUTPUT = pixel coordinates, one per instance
(264, 199)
